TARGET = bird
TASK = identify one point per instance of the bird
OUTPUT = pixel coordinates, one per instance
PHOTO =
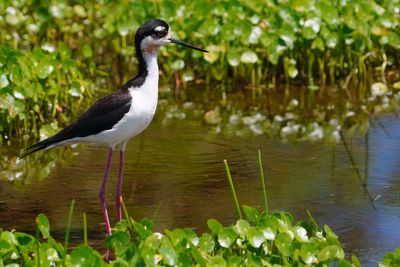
(117, 117)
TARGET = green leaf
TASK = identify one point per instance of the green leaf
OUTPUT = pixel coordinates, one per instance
(226, 237)
(45, 67)
(43, 225)
(198, 256)
(213, 53)
(15, 74)
(214, 226)
(284, 244)
(252, 214)
(394, 39)
(178, 237)
(328, 253)
(233, 58)
(329, 233)
(118, 241)
(217, 261)
(87, 51)
(80, 11)
(169, 255)
(241, 227)
(249, 57)
(153, 241)
(52, 255)
(256, 237)
(141, 230)
(355, 261)
(75, 89)
(311, 28)
(344, 263)
(206, 243)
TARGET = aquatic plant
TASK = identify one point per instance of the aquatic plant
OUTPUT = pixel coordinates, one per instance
(260, 239)
(38, 85)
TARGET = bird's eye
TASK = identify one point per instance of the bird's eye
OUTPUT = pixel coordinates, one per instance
(161, 32)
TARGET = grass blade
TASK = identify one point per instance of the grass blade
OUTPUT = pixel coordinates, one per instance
(67, 231)
(126, 213)
(263, 181)
(85, 229)
(228, 173)
(312, 219)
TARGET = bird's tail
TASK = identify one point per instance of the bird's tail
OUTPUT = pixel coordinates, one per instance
(38, 146)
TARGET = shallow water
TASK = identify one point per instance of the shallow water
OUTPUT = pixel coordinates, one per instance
(175, 175)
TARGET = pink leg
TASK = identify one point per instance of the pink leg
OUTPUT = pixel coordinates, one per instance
(118, 199)
(102, 194)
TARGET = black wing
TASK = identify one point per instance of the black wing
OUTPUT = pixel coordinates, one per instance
(103, 115)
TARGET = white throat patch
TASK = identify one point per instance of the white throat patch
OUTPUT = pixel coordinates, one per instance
(150, 45)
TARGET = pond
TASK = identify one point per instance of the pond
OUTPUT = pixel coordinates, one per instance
(174, 174)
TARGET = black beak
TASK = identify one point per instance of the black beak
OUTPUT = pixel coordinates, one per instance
(176, 41)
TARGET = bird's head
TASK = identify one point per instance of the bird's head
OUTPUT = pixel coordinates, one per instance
(155, 33)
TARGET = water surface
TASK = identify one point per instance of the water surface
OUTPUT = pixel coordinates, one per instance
(174, 175)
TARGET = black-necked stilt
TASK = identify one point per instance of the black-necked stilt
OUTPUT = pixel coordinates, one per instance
(117, 117)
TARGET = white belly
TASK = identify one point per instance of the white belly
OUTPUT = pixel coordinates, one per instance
(137, 119)
(139, 116)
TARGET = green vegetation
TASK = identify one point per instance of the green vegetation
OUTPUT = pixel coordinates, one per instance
(53, 54)
(259, 240)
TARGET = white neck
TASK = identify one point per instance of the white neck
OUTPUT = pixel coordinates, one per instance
(152, 71)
